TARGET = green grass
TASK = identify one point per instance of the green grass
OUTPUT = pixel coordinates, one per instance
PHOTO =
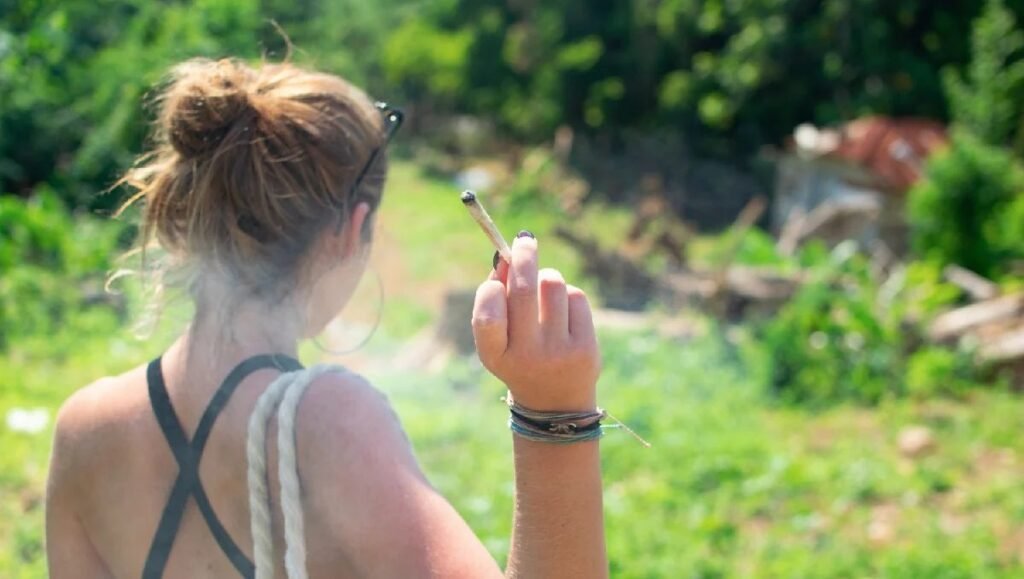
(735, 485)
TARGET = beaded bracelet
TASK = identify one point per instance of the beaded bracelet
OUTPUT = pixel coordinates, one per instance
(561, 427)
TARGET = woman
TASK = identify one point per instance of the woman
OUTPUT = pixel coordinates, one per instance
(261, 191)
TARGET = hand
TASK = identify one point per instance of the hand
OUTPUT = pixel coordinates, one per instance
(536, 334)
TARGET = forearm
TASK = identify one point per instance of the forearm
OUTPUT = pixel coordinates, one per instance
(558, 526)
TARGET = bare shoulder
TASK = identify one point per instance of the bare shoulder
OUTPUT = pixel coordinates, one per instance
(365, 492)
(343, 407)
(92, 415)
(102, 403)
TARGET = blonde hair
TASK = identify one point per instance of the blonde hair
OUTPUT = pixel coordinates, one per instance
(249, 166)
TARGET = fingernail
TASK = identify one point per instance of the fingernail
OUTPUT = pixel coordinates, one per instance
(494, 262)
(525, 233)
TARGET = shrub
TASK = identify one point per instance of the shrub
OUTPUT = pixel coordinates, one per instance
(938, 370)
(988, 101)
(969, 208)
(52, 265)
(847, 335)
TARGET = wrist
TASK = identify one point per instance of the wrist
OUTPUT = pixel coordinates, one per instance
(545, 402)
(560, 427)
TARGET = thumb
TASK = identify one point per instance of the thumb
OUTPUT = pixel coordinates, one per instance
(490, 322)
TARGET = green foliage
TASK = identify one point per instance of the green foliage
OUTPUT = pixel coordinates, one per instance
(968, 210)
(74, 75)
(51, 265)
(426, 61)
(988, 102)
(754, 247)
(931, 370)
(833, 341)
(847, 336)
(731, 76)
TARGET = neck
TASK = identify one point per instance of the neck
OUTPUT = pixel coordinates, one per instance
(223, 333)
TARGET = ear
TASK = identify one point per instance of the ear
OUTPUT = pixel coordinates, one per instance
(352, 234)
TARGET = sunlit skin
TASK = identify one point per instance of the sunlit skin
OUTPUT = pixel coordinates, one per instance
(369, 510)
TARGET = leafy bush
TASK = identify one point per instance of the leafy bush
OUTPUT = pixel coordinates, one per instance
(846, 335)
(721, 71)
(937, 369)
(52, 265)
(988, 102)
(73, 74)
(754, 247)
(969, 210)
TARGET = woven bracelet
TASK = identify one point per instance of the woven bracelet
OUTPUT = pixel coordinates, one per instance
(592, 432)
(560, 427)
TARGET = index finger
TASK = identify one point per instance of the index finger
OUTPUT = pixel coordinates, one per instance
(523, 319)
(500, 271)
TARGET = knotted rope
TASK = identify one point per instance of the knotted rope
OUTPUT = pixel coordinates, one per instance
(284, 395)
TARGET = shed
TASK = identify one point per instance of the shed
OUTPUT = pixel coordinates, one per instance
(850, 182)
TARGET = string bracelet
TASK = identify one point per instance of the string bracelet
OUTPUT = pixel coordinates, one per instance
(561, 427)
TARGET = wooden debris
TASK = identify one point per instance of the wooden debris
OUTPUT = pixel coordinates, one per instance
(656, 228)
(1008, 347)
(833, 221)
(987, 317)
(976, 286)
(744, 290)
(751, 212)
(997, 327)
(624, 284)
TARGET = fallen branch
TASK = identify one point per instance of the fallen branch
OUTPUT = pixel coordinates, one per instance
(976, 286)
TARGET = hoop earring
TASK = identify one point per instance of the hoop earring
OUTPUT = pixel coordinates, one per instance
(373, 329)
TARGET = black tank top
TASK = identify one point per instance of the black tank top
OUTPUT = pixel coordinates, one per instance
(189, 453)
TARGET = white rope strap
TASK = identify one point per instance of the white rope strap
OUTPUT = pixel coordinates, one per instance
(284, 395)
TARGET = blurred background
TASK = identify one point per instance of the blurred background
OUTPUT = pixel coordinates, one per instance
(802, 222)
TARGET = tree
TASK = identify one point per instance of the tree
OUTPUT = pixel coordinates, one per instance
(988, 101)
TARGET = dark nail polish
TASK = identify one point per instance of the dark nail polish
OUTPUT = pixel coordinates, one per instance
(494, 262)
(525, 233)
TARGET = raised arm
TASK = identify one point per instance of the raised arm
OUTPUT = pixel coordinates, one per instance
(366, 494)
(536, 334)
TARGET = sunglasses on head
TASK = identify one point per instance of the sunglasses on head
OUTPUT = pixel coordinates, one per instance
(393, 118)
(392, 121)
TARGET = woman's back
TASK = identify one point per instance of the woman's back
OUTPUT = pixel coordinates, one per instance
(117, 468)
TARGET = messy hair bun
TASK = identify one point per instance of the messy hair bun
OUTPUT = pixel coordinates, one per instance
(205, 101)
(250, 165)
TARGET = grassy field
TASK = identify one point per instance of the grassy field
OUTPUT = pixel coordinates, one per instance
(735, 485)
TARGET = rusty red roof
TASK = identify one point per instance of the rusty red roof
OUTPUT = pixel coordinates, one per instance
(891, 150)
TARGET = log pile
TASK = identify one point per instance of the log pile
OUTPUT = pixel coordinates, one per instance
(992, 322)
(994, 325)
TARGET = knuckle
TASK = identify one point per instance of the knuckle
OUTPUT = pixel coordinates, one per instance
(491, 361)
(582, 352)
(482, 321)
(520, 288)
